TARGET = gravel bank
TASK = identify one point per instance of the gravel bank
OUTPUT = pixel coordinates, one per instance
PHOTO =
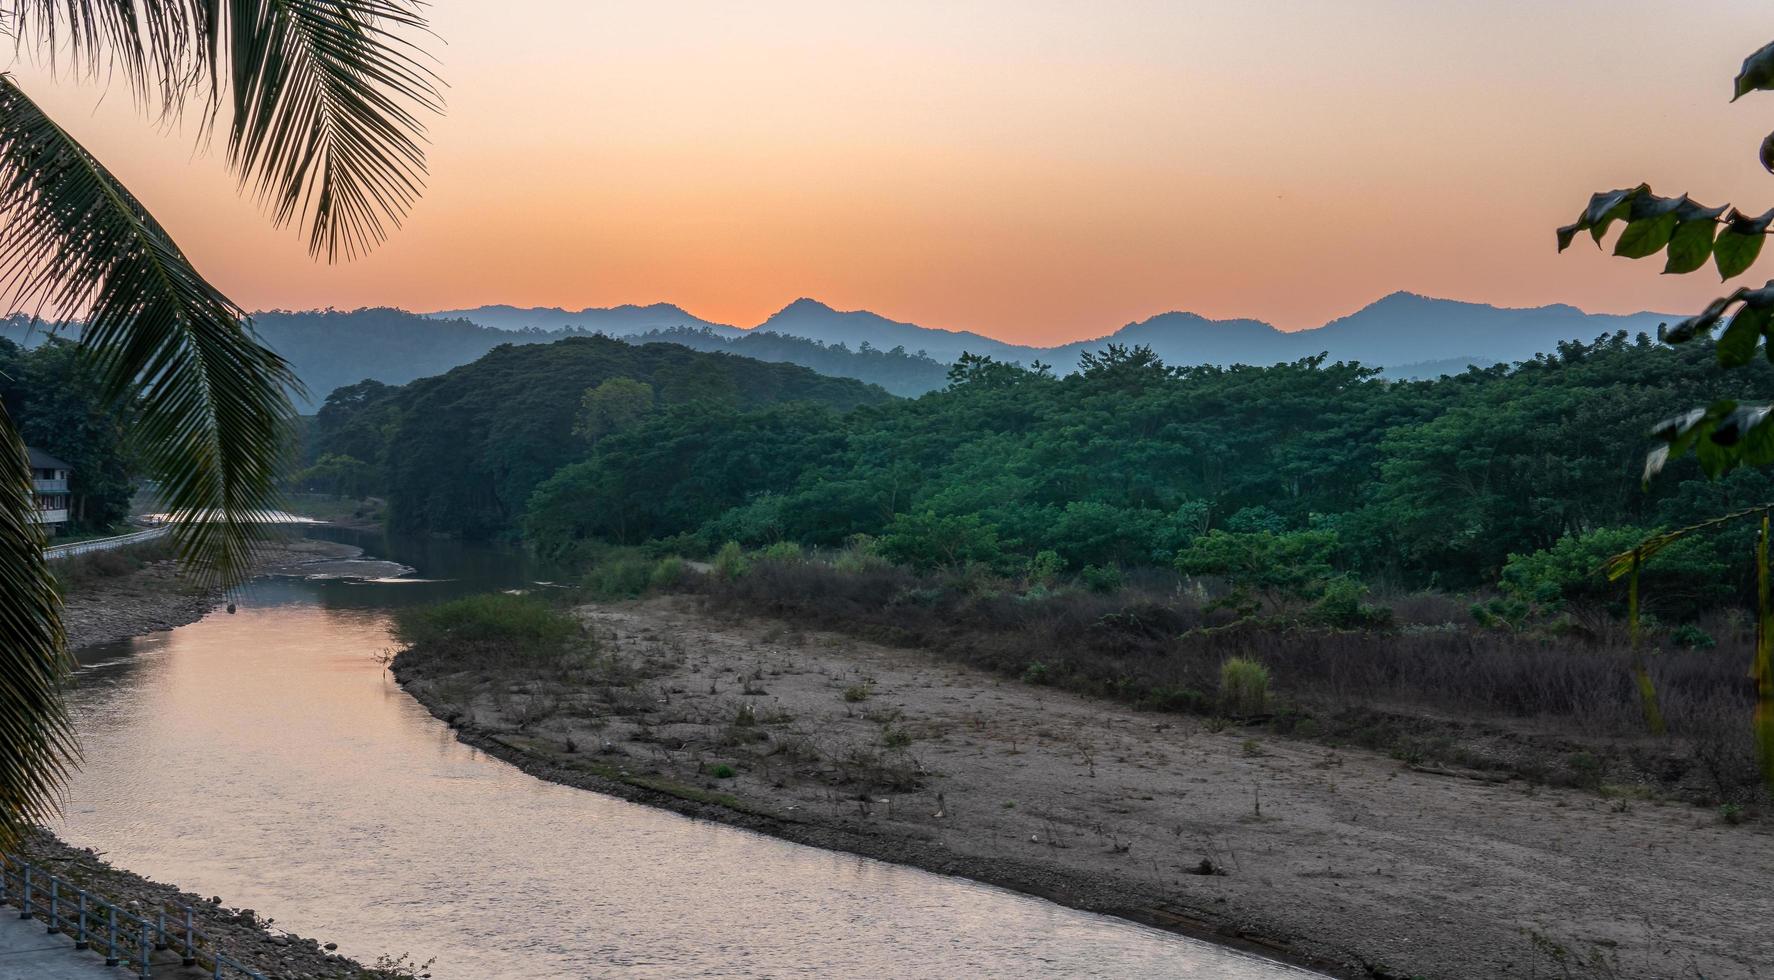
(240, 933)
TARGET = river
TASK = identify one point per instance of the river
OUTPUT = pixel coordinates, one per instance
(267, 757)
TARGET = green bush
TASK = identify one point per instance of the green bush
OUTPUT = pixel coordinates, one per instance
(1244, 686)
(1691, 637)
(1341, 606)
(730, 561)
(667, 573)
(1037, 673)
(511, 624)
(859, 555)
(1105, 579)
(789, 552)
(619, 577)
(1045, 568)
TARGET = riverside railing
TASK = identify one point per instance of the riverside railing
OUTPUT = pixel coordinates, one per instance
(104, 544)
(125, 938)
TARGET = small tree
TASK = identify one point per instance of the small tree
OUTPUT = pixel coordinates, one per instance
(611, 407)
(1262, 567)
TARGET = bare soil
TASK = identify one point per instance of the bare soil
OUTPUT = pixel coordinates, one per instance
(1344, 859)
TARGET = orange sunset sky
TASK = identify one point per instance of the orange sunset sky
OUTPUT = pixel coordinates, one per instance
(1034, 171)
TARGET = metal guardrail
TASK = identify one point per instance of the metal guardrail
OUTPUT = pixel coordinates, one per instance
(124, 937)
(104, 544)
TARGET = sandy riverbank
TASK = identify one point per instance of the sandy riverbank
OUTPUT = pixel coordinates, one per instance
(1344, 859)
(157, 597)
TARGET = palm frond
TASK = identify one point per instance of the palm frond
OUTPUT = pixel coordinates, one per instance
(324, 96)
(33, 721)
(325, 126)
(157, 46)
(212, 404)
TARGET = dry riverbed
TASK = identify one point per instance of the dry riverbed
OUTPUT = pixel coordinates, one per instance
(1344, 859)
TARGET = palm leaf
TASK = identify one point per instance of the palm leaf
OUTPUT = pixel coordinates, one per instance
(33, 721)
(212, 408)
(324, 96)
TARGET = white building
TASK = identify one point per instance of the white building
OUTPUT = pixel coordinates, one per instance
(49, 480)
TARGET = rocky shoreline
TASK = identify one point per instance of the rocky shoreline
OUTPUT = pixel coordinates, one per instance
(240, 933)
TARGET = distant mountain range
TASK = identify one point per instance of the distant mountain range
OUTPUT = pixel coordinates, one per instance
(1403, 330)
(1410, 336)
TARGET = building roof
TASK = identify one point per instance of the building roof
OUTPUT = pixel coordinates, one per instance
(41, 460)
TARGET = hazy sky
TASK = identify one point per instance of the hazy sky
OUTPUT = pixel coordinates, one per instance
(1035, 171)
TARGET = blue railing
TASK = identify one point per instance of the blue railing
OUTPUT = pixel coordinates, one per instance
(125, 938)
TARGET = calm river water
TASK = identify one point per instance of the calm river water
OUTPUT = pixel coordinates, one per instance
(268, 758)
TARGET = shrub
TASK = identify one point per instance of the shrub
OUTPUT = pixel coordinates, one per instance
(859, 555)
(1342, 606)
(1045, 568)
(668, 572)
(497, 626)
(1101, 580)
(1691, 637)
(856, 692)
(730, 561)
(723, 771)
(786, 551)
(619, 577)
(1244, 686)
(1037, 673)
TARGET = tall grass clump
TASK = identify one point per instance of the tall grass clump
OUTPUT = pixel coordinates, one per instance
(483, 630)
(730, 561)
(1244, 686)
(859, 556)
(619, 576)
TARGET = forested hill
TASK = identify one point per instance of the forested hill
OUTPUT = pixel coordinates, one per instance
(331, 349)
(1132, 462)
(460, 453)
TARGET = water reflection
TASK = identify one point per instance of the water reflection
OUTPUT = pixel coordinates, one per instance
(267, 757)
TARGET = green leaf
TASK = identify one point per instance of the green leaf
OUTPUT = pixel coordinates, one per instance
(1737, 345)
(1700, 324)
(1606, 206)
(1734, 252)
(1757, 73)
(1645, 236)
(1690, 246)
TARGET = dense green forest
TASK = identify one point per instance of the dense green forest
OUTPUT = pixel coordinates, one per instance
(461, 453)
(902, 373)
(52, 395)
(1130, 463)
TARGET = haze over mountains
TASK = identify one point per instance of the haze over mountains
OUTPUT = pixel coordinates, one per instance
(1408, 335)
(1400, 330)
